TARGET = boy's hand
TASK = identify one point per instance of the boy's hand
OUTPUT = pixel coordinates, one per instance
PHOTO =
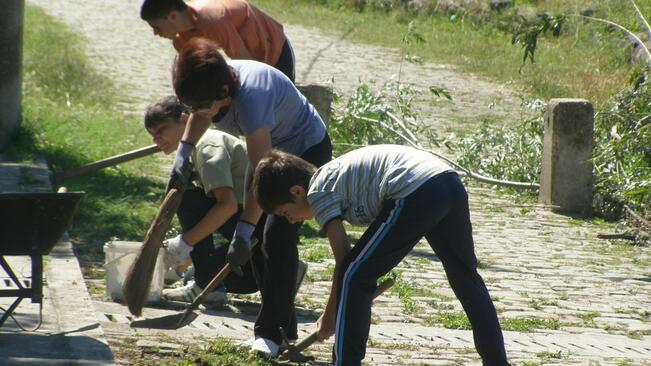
(180, 172)
(325, 326)
(239, 251)
(178, 251)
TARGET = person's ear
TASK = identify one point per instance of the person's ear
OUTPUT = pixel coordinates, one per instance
(171, 17)
(297, 191)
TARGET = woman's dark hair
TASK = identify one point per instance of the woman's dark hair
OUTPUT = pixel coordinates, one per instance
(166, 109)
(201, 72)
(155, 9)
(275, 174)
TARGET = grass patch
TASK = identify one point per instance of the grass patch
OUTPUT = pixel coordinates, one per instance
(537, 304)
(588, 318)
(586, 62)
(528, 324)
(317, 254)
(547, 357)
(70, 116)
(216, 352)
(223, 352)
(407, 290)
(451, 320)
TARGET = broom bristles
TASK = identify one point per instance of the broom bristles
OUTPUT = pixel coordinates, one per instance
(140, 274)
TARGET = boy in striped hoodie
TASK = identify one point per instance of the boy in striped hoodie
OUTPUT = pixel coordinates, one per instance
(401, 194)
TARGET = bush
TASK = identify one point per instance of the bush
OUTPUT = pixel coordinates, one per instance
(623, 152)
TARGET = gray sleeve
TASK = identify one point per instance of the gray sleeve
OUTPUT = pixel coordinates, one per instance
(326, 206)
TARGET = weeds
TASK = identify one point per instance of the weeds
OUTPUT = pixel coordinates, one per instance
(528, 324)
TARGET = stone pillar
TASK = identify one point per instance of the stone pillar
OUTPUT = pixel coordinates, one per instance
(320, 96)
(11, 45)
(566, 178)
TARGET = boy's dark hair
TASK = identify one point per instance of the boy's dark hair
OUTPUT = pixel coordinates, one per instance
(275, 174)
(156, 9)
(201, 72)
(166, 109)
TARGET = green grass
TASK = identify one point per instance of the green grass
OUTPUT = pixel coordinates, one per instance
(316, 254)
(586, 62)
(451, 320)
(588, 318)
(203, 352)
(459, 320)
(222, 352)
(528, 324)
(70, 116)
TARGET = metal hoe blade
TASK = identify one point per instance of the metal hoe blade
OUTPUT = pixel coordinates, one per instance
(174, 321)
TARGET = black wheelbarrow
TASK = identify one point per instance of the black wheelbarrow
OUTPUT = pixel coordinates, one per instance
(30, 225)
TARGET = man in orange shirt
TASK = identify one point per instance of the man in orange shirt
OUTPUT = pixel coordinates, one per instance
(241, 29)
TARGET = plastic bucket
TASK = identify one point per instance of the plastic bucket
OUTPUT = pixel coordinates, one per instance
(119, 255)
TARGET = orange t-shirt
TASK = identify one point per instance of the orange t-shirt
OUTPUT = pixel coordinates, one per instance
(233, 24)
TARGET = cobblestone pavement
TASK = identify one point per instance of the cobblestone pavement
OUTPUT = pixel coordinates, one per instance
(564, 296)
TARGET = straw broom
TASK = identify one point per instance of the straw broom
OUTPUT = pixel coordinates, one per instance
(141, 272)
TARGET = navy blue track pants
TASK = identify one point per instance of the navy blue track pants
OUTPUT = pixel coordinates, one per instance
(437, 210)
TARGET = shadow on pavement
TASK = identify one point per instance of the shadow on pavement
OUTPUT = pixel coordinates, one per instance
(50, 349)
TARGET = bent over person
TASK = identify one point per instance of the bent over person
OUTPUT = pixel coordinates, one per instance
(257, 101)
(239, 28)
(401, 194)
(213, 202)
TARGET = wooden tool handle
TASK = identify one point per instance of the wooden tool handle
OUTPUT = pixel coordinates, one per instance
(113, 160)
(218, 279)
(140, 274)
(383, 286)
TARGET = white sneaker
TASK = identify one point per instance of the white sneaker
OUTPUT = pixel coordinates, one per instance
(189, 293)
(247, 343)
(300, 274)
(266, 347)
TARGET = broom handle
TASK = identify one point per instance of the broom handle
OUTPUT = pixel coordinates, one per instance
(302, 345)
(110, 161)
(218, 279)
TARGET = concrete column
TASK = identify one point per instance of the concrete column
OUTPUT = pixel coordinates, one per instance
(11, 46)
(566, 178)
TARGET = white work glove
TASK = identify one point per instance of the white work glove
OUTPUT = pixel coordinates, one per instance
(177, 251)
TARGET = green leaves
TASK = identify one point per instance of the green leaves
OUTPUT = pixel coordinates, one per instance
(440, 92)
(511, 153)
(380, 117)
(527, 34)
(623, 153)
(412, 37)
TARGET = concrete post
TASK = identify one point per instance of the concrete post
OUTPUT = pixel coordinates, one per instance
(320, 97)
(566, 178)
(11, 45)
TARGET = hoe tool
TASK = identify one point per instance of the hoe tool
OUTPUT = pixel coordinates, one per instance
(176, 321)
(293, 351)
